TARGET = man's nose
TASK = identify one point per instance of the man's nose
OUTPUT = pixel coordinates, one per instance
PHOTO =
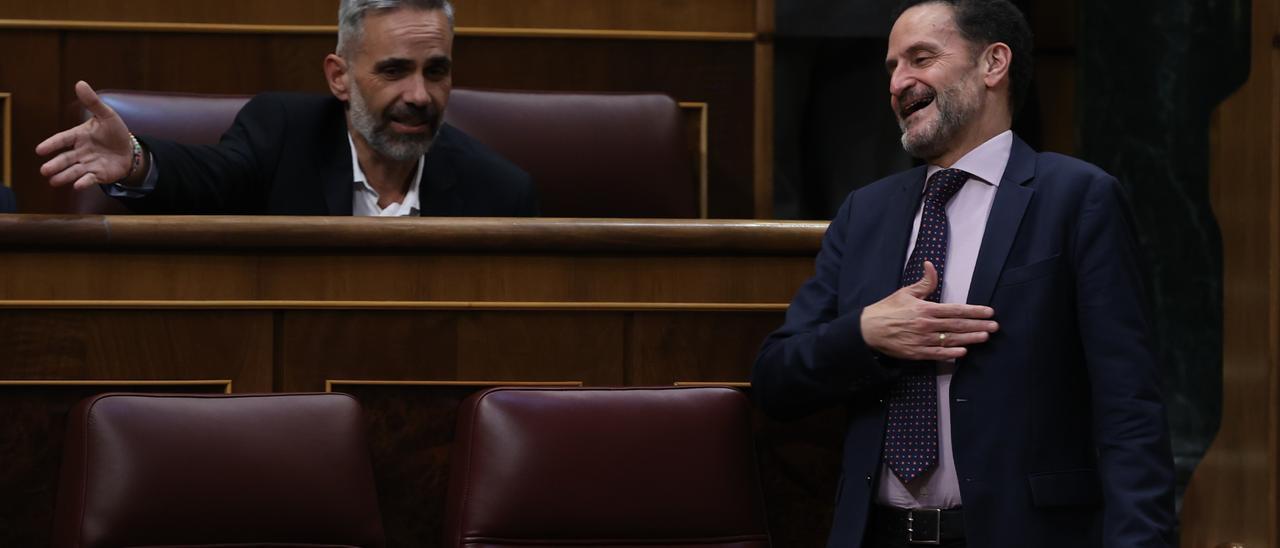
(899, 81)
(417, 94)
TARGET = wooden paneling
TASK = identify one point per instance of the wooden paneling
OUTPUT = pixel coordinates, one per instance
(31, 78)
(6, 139)
(1232, 495)
(643, 15)
(279, 12)
(398, 345)
(127, 276)
(138, 344)
(670, 347)
(702, 15)
(287, 304)
(207, 63)
(763, 138)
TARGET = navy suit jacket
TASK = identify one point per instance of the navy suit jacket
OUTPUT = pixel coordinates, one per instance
(1059, 432)
(288, 154)
(8, 204)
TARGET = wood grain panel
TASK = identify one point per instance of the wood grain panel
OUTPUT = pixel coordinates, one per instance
(31, 77)
(609, 236)
(543, 346)
(295, 12)
(671, 347)
(204, 63)
(451, 277)
(316, 346)
(1232, 494)
(721, 74)
(606, 348)
(127, 276)
(125, 344)
(702, 15)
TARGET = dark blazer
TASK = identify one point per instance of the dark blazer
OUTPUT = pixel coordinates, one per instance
(1059, 431)
(288, 154)
(8, 203)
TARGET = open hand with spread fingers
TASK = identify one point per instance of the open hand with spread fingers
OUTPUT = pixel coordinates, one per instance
(906, 326)
(97, 152)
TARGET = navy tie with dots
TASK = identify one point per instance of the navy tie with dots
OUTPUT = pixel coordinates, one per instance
(911, 435)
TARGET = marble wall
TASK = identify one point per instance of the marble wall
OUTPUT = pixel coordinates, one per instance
(1150, 74)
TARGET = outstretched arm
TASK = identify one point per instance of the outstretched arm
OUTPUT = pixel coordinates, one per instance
(99, 151)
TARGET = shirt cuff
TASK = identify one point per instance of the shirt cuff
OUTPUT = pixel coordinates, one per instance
(117, 190)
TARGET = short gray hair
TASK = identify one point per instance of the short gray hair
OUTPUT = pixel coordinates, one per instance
(351, 16)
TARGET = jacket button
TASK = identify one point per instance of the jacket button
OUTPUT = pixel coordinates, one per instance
(868, 479)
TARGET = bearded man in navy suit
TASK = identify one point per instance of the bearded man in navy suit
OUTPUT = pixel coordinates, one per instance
(981, 319)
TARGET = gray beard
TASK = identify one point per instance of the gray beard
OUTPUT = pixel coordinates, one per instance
(376, 132)
(953, 114)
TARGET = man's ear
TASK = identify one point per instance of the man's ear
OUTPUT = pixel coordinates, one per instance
(995, 62)
(335, 73)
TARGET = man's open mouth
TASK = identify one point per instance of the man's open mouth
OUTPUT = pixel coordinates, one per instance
(916, 104)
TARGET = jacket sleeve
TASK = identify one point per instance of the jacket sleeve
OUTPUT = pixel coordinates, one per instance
(1134, 453)
(229, 177)
(817, 358)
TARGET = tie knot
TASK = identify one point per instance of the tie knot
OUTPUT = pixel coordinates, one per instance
(944, 184)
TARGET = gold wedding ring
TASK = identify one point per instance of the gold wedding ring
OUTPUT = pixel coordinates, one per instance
(942, 339)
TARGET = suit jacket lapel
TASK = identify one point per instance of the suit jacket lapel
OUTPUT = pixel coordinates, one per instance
(336, 178)
(436, 193)
(1002, 225)
(899, 213)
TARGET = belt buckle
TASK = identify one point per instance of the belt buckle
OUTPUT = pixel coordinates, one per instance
(937, 527)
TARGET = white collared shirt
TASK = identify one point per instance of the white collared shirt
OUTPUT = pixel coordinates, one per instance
(967, 214)
(364, 201)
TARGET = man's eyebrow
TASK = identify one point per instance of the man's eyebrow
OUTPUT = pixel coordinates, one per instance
(394, 62)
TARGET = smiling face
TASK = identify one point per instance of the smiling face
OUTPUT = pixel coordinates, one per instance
(936, 84)
(397, 80)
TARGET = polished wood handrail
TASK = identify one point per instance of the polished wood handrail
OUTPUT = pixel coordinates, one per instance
(628, 236)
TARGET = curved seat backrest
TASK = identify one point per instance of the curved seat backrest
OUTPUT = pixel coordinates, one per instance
(661, 467)
(224, 470)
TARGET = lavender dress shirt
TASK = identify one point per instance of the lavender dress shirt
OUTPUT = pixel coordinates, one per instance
(967, 219)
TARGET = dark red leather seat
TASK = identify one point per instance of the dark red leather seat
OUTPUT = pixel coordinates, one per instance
(668, 467)
(590, 154)
(200, 470)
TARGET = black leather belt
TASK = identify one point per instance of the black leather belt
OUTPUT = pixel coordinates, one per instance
(919, 526)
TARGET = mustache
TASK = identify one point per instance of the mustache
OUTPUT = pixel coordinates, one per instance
(408, 114)
(915, 94)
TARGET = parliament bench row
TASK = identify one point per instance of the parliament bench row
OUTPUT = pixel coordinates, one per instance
(670, 466)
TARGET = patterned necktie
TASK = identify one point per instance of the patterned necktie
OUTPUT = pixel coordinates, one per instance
(911, 435)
